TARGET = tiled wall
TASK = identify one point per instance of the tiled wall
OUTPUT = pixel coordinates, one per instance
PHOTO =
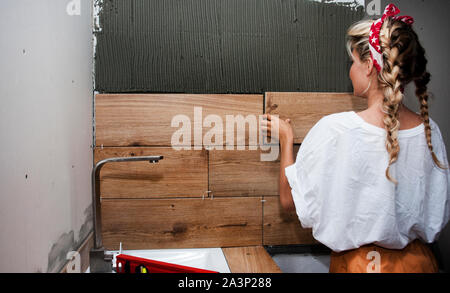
(166, 205)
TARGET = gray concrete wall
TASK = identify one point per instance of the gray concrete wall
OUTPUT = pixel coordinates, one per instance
(45, 132)
(223, 46)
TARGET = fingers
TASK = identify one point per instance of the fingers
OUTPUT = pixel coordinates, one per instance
(266, 127)
(266, 131)
(265, 123)
(267, 116)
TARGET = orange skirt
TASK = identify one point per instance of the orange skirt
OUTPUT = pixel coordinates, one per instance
(416, 257)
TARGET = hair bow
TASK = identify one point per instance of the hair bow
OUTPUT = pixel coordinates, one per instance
(374, 36)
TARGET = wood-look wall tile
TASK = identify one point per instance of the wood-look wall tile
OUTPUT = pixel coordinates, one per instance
(281, 227)
(242, 173)
(146, 119)
(179, 174)
(305, 109)
(182, 223)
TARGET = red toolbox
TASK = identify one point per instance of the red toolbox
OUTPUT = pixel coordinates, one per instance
(132, 264)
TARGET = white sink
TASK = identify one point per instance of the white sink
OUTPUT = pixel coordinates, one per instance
(202, 258)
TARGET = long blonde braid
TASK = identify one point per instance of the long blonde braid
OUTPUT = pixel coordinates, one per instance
(422, 94)
(393, 96)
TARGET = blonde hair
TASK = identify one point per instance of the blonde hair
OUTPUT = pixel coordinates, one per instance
(404, 61)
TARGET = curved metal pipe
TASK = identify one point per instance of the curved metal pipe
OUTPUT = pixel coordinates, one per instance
(98, 243)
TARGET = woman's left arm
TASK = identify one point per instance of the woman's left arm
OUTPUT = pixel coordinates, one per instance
(286, 138)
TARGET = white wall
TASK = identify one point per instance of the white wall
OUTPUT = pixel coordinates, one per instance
(45, 132)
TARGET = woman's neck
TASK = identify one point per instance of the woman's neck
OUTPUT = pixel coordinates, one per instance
(375, 102)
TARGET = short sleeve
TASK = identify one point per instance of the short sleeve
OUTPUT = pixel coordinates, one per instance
(299, 192)
(439, 144)
(305, 174)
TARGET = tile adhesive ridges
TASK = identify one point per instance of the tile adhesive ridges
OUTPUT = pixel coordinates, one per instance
(222, 46)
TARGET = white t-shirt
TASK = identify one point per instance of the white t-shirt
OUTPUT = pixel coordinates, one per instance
(340, 189)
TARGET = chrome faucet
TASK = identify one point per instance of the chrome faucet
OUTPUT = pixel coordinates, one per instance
(99, 260)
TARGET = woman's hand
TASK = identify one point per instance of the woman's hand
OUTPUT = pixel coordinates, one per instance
(286, 137)
(285, 132)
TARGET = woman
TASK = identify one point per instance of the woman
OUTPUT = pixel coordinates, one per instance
(374, 185)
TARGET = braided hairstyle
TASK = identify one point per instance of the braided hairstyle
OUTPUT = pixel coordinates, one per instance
(403, 61)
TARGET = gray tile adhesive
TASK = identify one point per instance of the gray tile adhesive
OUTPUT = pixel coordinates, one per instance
(222, 46)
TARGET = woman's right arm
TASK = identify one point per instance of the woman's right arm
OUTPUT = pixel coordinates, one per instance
(287, 159)
(286, 139)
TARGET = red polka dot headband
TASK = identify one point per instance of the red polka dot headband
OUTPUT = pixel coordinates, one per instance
(374, 36)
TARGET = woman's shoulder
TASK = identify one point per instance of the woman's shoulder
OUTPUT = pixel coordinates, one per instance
(350, 120)
(434, 126)
(338, 117)
(337, 122)
(328, 128)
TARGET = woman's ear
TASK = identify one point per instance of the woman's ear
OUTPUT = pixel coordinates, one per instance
(369, 66)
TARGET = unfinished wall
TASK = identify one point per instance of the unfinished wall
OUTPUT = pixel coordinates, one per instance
(46, 132)
(223, 46)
